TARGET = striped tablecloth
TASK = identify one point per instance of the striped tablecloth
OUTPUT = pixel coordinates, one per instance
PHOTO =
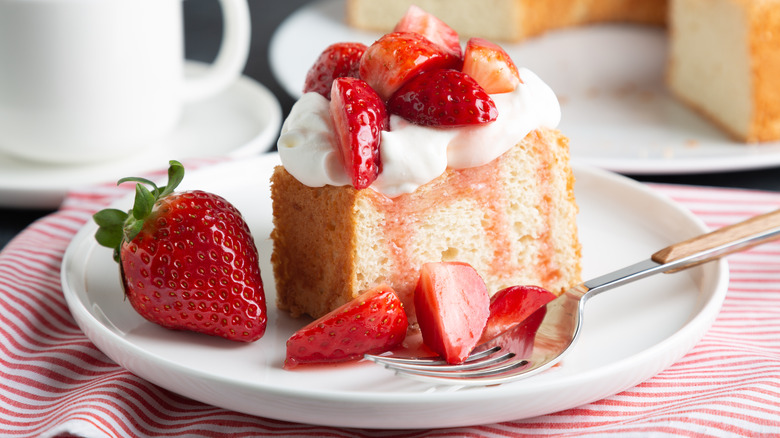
(56, 383)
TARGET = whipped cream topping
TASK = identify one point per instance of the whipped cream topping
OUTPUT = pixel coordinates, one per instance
(413, 155)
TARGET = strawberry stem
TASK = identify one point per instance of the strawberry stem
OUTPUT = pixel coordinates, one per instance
(117, 226)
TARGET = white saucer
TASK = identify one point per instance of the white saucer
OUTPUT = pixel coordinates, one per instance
(242, 121)
(609, 78)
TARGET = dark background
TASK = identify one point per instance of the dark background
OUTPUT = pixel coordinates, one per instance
(203, 27)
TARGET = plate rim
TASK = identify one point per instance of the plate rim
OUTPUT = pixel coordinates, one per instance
(87, 322)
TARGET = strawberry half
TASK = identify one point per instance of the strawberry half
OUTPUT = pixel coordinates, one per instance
(490, 66)
(511, 306)
(371, 323)
(399, 56)
(443, 98)
(336, 61)
(359, 117)
(431, 27)
(187, 260)
(452, 306)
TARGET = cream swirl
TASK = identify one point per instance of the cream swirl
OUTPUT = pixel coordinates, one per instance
(413, 155)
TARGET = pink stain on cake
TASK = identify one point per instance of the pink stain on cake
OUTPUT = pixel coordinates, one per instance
(482, 185)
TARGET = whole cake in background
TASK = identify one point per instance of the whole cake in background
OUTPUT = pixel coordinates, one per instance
(421, 151)
(507, 20)
(724, 55)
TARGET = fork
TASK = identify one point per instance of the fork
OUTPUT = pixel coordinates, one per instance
(561, 319)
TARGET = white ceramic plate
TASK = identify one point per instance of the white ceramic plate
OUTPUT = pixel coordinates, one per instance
(630, 334)
(609, 79)
(241, 121)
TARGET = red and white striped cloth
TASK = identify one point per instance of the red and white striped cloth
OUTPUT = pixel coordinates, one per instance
(56, 383)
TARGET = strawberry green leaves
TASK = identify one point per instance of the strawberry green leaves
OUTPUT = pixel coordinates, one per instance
(116, 226)
(110, 231)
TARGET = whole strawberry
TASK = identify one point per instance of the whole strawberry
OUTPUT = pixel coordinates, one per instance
(187, 260)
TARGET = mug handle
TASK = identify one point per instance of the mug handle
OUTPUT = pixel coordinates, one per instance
(232, 55)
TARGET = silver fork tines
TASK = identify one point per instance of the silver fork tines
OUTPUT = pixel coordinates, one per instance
(485, 363)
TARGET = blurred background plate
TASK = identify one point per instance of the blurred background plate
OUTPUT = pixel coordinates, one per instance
(608, 78)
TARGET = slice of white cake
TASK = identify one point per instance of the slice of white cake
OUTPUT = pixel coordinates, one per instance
(513, 220)
(724, 61)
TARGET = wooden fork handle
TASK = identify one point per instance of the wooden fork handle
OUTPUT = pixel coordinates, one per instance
(744, 230)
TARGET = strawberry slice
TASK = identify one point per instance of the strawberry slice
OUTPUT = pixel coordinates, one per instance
(443, 98)
(359, 117)
(399, 56)
(431, 27)
(511, 306)
(490, 66)
(452, 306)
(371, 323)
(520, 338)
(336, 61)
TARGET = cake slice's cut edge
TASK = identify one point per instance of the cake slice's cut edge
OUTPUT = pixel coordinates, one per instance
(513, 219)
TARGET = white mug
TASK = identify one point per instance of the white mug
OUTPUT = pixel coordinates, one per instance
(92, 80)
